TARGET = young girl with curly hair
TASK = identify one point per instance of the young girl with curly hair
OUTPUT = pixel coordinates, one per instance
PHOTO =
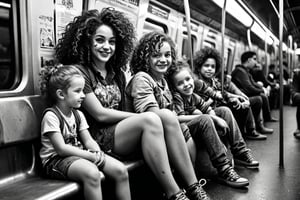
(100, 44)
(68, 151)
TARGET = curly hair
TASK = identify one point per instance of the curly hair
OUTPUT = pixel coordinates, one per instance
(201, 57)
(75, 44)
(180, 65)
(147, 47)
(56, 77)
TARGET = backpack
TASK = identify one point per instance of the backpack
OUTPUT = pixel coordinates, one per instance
(61, 119)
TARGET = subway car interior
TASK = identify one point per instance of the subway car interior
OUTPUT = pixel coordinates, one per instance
(31, 29)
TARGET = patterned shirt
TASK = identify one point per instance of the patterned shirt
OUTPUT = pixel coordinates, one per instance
(106, 90)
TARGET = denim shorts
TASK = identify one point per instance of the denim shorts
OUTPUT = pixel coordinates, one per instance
(57, 167)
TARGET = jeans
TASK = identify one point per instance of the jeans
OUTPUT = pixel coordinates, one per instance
(245, 119)
(266, 107)
(234, 136)
(256, 104)
(203, 132)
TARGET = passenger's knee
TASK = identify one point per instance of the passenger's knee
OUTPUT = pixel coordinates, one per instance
(92, 176)
(121, 173)
(168, 117)
(151, 119)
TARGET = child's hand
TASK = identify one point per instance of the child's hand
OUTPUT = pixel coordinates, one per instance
(221, 125)
(219, 95)
(99, 158)
(235, 102)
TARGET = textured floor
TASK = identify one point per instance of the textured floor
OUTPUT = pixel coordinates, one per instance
(270, 182)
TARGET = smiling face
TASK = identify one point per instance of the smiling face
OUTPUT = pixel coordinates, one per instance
(161, 60)
(208, 69)
(74, 95)
(104, 44)
(184, 82)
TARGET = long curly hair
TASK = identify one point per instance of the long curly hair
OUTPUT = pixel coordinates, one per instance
(147, 47)
(201, 57)
(75, 45)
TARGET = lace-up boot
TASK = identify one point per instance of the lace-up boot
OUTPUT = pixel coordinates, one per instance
(196, 191)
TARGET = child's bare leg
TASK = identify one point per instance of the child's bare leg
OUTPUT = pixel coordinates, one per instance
(86, 172)
(146, 132)
(117, 171)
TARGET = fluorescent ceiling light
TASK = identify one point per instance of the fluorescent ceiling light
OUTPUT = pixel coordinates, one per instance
(234, 9)
(5, 5)
(258, 30)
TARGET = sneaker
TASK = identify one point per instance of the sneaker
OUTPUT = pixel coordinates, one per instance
(196, 191)
(231, 178)
(179, 196)
(254, 135)
(246, 159)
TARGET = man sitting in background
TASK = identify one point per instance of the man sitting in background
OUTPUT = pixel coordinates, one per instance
(259, 102)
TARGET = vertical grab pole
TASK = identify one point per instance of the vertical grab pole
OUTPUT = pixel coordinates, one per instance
(223, 45)
(188, 24)
(281, 156)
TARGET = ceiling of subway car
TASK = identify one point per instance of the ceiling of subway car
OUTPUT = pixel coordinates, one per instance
(265, 10)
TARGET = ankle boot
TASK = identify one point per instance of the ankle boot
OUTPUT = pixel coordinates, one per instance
(260, 126)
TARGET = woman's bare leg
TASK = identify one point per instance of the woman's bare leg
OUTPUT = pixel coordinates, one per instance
(176, 146)
(146, 131)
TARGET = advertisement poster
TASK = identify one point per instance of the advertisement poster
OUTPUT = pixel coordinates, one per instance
(65, 11)
(46, 24)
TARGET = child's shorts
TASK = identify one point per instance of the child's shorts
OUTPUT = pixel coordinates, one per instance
(57, 167)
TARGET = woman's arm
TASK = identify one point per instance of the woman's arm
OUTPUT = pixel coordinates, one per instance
(88, 141)
(93, 106)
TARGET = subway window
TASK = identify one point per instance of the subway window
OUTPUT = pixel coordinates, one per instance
(151, 25)
(185, 46)
(8, 71)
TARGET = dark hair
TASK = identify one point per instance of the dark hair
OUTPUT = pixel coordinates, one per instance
(146, 48)
(246, 55)
(201, 57)
(56, 77)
